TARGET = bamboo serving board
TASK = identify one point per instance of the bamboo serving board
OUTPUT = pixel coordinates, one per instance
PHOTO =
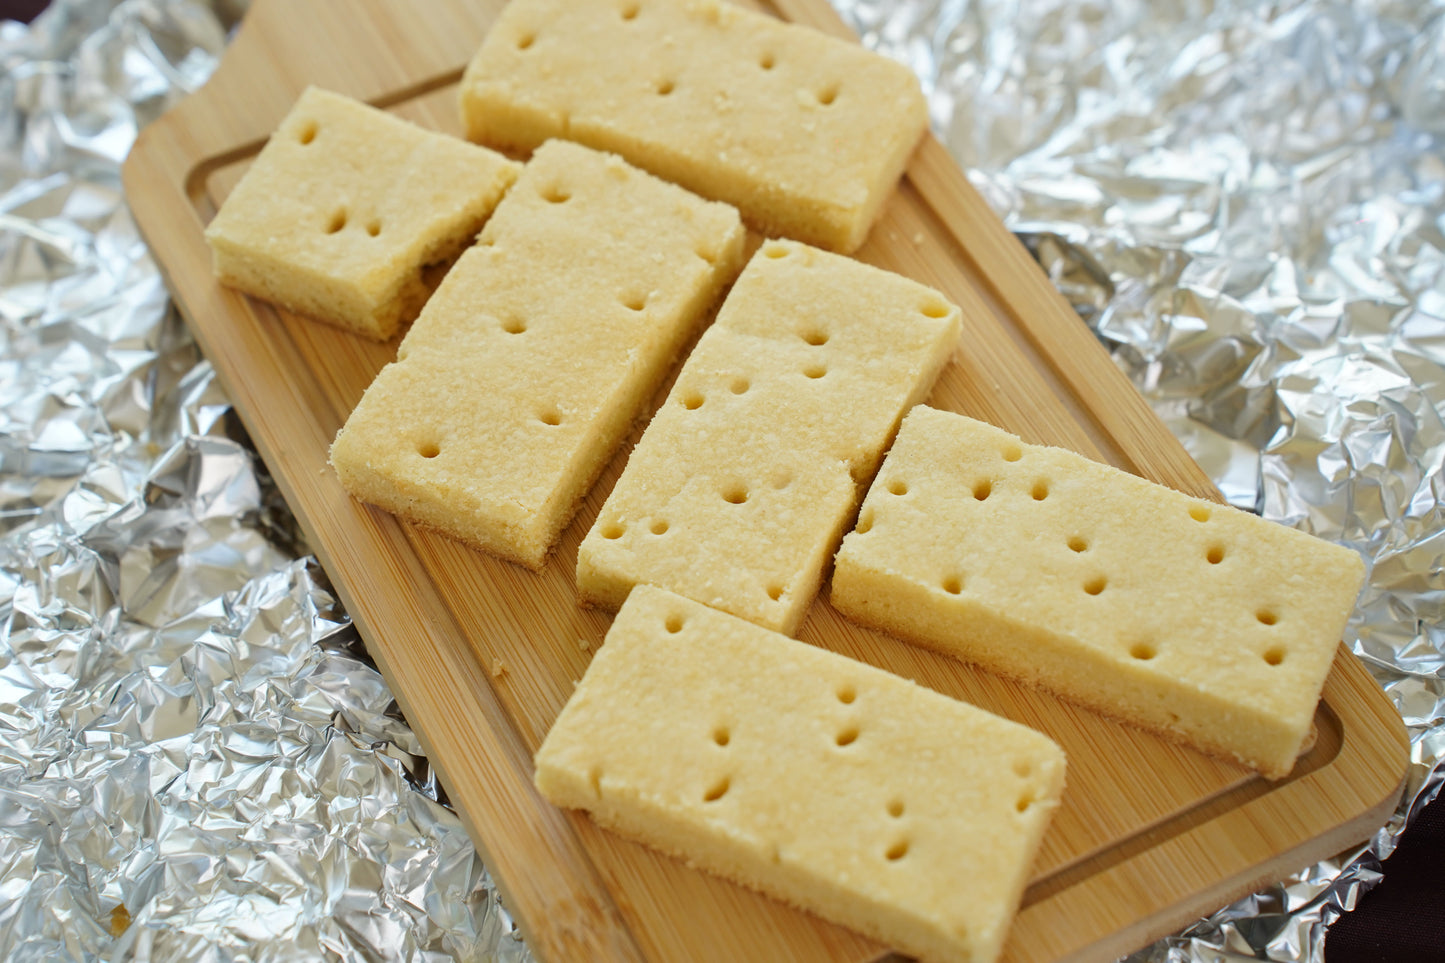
(481, 654)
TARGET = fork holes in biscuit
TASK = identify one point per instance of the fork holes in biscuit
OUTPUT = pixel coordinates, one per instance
(1267, 616)
(895, 808)
(526, 40)
(775, 591)
(1024, 802)
(550, 416)
(373, 227)
(953, 584)
(556, 195)
(673, 624)
(897, 851)
(613, 530)
(937, 309)
(1199, 513)
(514, 326)
(1095, 585)
(721, 735)
(1142, 651)
(846, 736)
(428, 449)
(308, 132)
(659, 526)
(766, 61)
(740, 386)
(775, 251)
(815, 371)
(692, 401)
(1022, 768)
(735, 494)
(716, 791)
(634, 302)
(981, 490)
(1274, 656)
(898, 487)
(782, 480)
(629, 11)
(1215, 555)
(815, 337)
(1012, 453)
(1040, 491)
(846, 693)
(828, 94)
(665, 87)
(1078, 544)
(865, 522)
(337, 222)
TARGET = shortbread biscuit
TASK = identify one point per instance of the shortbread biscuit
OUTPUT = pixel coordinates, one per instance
(345, 206)
(827, 783)
(803, 133)
(741, 486)
(1185, 617)
(538, 351)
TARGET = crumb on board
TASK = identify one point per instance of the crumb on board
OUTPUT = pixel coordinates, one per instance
(499, 668)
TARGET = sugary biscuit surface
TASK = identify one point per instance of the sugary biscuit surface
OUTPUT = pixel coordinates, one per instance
(1186, 617)
(740, 488)
(345, 206)
(538, 351)
(825, 782)
(804, 133)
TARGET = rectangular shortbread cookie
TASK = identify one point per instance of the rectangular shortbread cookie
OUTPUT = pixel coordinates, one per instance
(742, 484)
(1188, 618)
(538, 352)
(804, 133)
(827, 783)
(345, 206)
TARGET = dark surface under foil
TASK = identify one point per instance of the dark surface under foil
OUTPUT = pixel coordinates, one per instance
(197, 760)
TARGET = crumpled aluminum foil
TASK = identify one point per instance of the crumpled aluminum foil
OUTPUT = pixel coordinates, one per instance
(1246, 201)
(197, 759)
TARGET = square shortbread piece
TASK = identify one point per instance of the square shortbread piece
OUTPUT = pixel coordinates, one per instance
(345, 206)
(1185, 617)
(743, 482)
(830, 784)
(803, 133)
(538, 351)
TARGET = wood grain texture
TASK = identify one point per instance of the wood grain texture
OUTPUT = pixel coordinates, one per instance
(482, 654)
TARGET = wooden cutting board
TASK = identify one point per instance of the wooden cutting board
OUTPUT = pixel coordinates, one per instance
(481, 654)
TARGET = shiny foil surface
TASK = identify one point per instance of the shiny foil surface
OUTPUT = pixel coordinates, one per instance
(1246, 201)
(197, 760)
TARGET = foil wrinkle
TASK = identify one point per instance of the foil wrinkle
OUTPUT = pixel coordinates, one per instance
(197, 759)
(1245, 200)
